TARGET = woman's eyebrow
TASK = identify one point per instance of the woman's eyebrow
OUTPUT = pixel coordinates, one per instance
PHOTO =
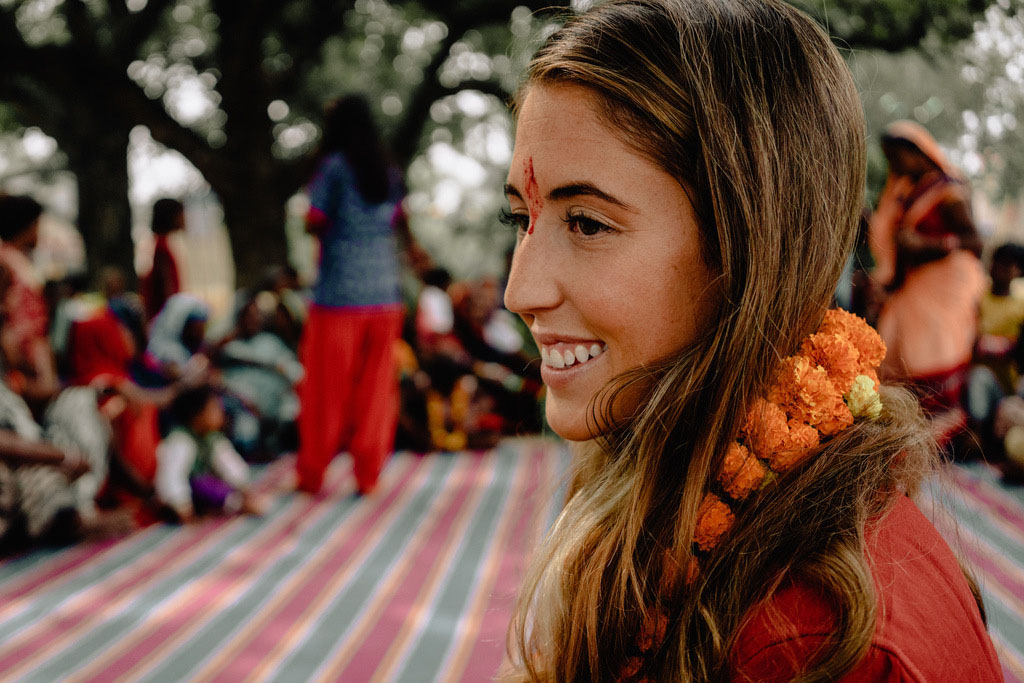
(576, 189)
(585, 189)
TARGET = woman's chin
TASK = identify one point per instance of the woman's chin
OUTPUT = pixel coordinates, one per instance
(570, 423)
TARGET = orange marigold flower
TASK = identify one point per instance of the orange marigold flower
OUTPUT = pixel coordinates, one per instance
(714, 519)
(802, 438)
(652, 633)
(836, 354)
(812, 397)
(860, 334)
(765, 427)
(741, 472)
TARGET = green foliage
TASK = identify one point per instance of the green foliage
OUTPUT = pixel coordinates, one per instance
(894, 25)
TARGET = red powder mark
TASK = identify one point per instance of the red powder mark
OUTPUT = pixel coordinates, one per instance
(533, 197)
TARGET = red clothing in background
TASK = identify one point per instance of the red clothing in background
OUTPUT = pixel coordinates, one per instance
(350, 392)
(162, 281)
(101, 353)
(928, 626)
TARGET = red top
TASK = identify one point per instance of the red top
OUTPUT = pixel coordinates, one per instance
(163, 280)
(928, 626)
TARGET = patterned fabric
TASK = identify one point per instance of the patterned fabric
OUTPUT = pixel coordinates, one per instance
(39, 492)
(358, 250)
(26, 314)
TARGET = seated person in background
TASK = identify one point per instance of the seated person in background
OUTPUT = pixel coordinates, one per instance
(1000, 316)
(292, 307)
(176, 341)
(197, 468)
(260, 373)
(101, 352)
(48, 485)
(994, 372)
(30, 363)
(435, 316)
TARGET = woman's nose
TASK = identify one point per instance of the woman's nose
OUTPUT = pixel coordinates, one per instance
(533, 284)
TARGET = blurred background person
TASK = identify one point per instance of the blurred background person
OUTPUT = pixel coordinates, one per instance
(163, 279)
(350, 394)
(926, 253)
(30, 363)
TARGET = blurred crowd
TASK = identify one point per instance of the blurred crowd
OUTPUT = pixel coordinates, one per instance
(122, 406)
(952, 334)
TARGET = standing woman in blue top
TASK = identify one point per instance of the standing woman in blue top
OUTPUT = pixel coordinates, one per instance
(350, 392)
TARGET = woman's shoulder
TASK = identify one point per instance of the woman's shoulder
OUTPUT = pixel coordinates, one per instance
(928, 625)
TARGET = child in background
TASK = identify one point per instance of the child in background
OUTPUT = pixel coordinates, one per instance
(197, 468)
(993, 374)
(1000, 316)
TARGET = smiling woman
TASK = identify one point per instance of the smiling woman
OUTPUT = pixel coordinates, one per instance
(590, 259)
(686, 183)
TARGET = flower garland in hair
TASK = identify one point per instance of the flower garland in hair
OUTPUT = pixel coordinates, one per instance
(819, 391)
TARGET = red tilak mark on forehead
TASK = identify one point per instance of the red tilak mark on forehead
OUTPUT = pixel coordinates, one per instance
(533, 197)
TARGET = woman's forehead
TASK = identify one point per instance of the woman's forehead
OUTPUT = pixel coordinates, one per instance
(561, 138)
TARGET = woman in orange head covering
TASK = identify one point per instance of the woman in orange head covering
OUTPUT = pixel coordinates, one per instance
(926, 249)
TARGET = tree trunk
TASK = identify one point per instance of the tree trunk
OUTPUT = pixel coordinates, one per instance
(255, 221)
(104, 212)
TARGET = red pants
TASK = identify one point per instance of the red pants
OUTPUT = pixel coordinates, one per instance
(350, 392)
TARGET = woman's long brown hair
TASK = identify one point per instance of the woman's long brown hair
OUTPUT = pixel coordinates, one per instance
(752, 109)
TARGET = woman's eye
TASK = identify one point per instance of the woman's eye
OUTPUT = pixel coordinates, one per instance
(519, 221)
(588, 227)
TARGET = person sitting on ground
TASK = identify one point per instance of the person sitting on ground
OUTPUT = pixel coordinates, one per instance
(49, 478)
(31, 366)
(260, 371)
(176, 340)
(994, 374)
(102, 351)
(197, 468)
(291, 308)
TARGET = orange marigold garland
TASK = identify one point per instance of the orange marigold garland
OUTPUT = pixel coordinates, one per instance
(818, 393)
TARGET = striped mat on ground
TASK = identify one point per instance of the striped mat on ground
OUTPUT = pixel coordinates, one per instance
(415, 583)
(989, 534)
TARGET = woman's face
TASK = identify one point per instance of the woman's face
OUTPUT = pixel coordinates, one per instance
(607, 273)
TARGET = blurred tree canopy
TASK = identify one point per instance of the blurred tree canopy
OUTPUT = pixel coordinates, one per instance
(238, 87)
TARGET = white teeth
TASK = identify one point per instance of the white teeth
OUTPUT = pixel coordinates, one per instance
(569, 357)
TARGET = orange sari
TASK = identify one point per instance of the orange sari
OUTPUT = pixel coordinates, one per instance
(929, 322)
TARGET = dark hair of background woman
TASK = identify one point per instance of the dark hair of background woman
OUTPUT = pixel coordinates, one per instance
(165, 215)
(17, 214)
(349, 128)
